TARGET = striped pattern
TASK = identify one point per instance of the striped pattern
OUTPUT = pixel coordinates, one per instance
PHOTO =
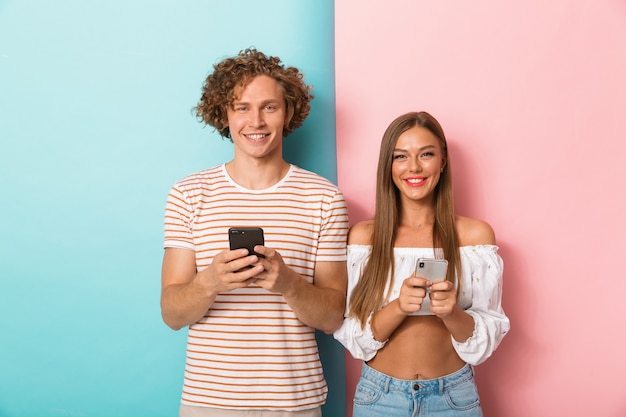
(250, 351)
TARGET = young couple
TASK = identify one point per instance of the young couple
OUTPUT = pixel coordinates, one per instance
(251, 347)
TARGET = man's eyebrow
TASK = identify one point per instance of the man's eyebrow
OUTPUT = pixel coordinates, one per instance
(270, 100)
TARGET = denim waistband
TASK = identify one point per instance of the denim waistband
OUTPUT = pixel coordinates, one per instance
(424, 386)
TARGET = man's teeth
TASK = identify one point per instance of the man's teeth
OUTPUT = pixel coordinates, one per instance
(256, 137)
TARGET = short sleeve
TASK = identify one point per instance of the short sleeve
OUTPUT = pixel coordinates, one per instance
(334, 229)
(178, 220)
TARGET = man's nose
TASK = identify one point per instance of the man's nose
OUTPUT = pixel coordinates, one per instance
(257, 118)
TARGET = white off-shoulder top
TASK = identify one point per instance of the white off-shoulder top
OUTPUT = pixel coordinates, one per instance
(480, 297)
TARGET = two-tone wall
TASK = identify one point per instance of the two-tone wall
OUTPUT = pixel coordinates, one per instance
(96, 125)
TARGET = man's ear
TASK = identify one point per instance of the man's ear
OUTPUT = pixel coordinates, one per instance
(288, 117)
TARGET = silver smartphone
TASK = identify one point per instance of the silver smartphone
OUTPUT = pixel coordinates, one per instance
(246, 237)
(431, 269)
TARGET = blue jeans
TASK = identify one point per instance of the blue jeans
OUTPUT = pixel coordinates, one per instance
(453, 395)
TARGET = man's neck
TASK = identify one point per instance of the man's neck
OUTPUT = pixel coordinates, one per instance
(257, 174)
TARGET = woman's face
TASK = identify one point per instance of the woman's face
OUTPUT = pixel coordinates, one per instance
(417, 164)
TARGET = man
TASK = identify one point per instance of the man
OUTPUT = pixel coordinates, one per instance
(251, 347)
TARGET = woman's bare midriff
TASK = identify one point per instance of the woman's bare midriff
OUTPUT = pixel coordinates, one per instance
(420, 348)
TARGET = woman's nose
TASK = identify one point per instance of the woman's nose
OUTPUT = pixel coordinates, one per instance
(415, 165)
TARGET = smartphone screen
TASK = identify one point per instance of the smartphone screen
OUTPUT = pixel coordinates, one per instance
(246, 237)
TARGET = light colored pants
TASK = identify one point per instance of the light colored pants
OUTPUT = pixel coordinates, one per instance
(191, 411)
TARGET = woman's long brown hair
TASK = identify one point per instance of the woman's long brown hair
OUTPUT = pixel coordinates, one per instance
(367, 296)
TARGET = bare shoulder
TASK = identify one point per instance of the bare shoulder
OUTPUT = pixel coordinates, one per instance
(361, 233)
(474, 232)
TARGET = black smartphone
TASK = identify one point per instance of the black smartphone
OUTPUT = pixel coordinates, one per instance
(246, 237)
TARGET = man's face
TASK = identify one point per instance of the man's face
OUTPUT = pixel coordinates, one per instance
(257, 117)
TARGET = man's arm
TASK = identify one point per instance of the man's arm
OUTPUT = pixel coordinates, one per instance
(186, 295)
(320, 305)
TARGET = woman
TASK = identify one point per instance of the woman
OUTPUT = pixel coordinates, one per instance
(420, 339)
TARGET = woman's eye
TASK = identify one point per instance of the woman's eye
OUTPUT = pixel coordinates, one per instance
(398, 157)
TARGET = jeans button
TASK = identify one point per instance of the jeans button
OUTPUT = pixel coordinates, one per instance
(416, 387)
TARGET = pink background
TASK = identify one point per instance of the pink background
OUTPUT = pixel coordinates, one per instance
(532, 96)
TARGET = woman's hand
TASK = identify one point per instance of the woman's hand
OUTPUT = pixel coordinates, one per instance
(412, 294)
(442, 298)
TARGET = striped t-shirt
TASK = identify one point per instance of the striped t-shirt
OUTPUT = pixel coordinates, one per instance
(250, 351)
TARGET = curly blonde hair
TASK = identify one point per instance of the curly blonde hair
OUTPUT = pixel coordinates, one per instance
(220, 87)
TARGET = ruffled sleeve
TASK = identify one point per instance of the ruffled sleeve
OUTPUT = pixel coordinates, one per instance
(358, 341)
(485, 267)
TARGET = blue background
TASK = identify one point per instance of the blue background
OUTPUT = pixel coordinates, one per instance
(96, 124)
